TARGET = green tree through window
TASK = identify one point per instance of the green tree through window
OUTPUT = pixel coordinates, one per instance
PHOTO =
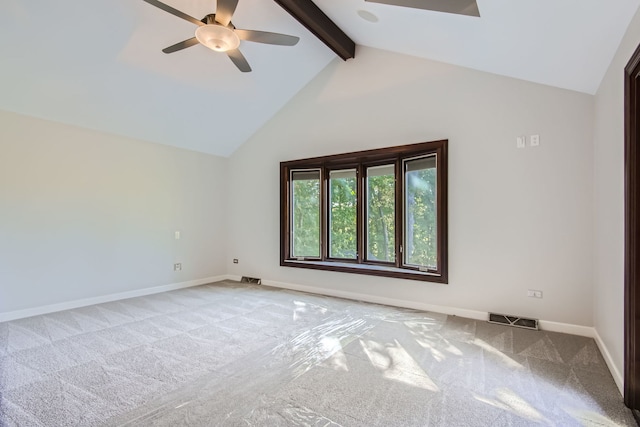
(306, 213)
(343, 217)
(381, 213)
(420, 210)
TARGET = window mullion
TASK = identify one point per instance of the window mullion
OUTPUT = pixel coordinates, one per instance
(360, 209)
(442, 209)
(285, 213)
(399, 228)
(324, 213)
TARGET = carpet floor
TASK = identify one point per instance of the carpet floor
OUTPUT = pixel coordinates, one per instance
(237, 354)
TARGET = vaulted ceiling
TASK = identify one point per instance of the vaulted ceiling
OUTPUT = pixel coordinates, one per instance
(99, 64)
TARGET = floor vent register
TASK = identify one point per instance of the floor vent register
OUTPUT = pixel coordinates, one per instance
(519, 322)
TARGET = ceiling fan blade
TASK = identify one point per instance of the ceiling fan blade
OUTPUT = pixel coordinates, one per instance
(175, 12)
(460, 7)
(225, 10)
(266, 37)
(182, 45)
(239, 60)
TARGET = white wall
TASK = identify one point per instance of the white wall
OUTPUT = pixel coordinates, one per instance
(85, 214)
(519, 218)
(609, 199)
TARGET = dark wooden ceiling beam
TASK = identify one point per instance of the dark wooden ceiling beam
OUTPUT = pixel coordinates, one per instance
(309, 15)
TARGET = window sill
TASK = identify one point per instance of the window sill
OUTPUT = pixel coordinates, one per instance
(368, 269)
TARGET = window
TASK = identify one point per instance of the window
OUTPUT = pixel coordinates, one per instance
(420, 215)
(378, 212)
(305, 213)
(343, 214)
(381, 211)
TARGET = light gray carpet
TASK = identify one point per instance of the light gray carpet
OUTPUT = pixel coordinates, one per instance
(235, 354)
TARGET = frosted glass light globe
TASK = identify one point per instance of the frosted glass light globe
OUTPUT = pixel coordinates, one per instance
(218, 38)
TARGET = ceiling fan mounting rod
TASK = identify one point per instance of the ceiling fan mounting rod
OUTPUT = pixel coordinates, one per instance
(210, 19)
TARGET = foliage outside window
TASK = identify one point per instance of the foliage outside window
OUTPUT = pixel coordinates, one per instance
(343, 214)
(379, 212)
(420, 212)
(305, 213)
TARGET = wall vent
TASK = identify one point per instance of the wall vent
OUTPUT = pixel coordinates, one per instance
(246, 279)
(519, 322)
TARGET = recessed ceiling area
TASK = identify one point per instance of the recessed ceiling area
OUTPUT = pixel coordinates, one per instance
(100, 65)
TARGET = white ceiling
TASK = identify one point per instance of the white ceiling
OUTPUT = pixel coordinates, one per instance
(98, 64)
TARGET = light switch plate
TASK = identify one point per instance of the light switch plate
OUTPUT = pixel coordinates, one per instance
(535, 140)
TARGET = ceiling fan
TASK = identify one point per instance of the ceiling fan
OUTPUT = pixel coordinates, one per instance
(460, 7)
(216, 32)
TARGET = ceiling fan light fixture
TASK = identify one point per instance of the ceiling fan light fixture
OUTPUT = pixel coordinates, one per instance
(218, 38)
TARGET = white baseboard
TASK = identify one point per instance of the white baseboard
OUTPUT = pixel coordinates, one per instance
(615, 373)
(19, 314)
(472, 314)
(567, 328)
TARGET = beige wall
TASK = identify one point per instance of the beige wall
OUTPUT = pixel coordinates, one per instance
(85, 214)
(519, 218)
(609, 199)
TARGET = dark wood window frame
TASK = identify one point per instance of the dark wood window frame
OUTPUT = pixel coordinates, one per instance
(361, 160)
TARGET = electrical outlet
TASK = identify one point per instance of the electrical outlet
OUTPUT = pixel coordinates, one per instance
(534, 293)
(235, 260)
(177, 266)
(177, 235)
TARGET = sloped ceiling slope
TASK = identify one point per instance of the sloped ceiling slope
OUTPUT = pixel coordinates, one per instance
(567, 43)
(99, 64)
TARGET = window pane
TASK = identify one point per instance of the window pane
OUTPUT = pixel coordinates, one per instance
(381, 213)
(420, 212)
(305, 213)
(342, 216)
